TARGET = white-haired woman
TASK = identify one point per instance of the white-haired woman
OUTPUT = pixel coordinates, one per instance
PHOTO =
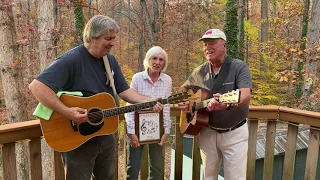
(155, 83)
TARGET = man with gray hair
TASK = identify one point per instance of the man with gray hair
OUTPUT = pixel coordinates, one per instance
(82, 69)
(226, 136)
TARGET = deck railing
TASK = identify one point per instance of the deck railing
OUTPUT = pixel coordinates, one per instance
(30, 131)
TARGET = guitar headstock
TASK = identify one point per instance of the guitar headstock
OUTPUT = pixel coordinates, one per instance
(178, 97)
(232, 97)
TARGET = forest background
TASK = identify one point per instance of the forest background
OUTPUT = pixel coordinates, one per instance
(278, 39)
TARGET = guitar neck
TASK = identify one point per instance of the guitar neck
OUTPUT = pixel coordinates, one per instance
(131, 108)
(202, 104)
(232, 97)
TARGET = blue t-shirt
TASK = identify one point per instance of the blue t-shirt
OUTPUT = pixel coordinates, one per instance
(78, 70)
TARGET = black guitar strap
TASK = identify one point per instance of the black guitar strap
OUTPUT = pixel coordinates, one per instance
(222, 75)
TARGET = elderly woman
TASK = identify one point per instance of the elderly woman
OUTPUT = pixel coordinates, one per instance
(155, 83)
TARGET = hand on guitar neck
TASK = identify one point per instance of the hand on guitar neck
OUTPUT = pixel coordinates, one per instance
(215, 104)
(195, 113)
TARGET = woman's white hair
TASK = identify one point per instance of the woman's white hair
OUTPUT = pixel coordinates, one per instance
(151, 52)
(97, 26)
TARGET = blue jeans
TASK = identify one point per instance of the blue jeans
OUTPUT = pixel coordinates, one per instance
(134, 161)
(94, 159)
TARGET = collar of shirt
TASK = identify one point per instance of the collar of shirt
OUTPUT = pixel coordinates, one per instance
(207, 68)
(146, 76)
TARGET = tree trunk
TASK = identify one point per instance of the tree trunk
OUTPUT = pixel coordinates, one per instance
(140, 58)
(241, 15)
(12, 81)
(264, 30)
(47, 13)
(48, 32)
(128, 34)
(231, 28)
(151, 23)
(79, 21)
(304, 32)
(141, 36)
(154, 24)
(313, 41)
(90, 9)
(118, 18)
(247, 37)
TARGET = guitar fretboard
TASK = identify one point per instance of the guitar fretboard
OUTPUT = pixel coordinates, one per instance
(202, 104)
(130, 108)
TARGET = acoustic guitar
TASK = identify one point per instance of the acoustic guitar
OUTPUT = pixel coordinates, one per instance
(196, 117)
(64, 134)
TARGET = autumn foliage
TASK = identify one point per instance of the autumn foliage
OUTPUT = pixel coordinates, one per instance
(177, 26)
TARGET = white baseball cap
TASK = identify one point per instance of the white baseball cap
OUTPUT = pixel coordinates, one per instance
(214, 34)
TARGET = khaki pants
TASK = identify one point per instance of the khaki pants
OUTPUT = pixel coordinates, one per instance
(231, 146)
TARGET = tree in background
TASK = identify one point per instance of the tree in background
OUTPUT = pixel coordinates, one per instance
(241, 36)
(79, 21)
(263, 32)
(304, 32)
(48, 38)
(12, 80)
(311, 81)
(231, 28)
(176, 25)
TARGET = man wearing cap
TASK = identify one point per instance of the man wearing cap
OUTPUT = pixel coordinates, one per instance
(226, 137)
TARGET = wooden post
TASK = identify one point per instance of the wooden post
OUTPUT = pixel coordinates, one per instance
(290, 153)
(312, 155)
(178, 162)
(252, 143)
(35, 167)
(196, 159)
(58, 166)
(269, 150)
(9, 161)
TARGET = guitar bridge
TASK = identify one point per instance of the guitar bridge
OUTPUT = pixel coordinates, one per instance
(74, 126)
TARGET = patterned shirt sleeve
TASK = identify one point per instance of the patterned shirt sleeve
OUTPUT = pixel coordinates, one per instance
(166, 107)
(130, 116)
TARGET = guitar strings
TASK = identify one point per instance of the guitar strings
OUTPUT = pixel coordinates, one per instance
(98, 115)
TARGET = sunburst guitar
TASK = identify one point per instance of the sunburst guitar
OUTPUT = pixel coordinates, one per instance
(196, 117)
(64, 134)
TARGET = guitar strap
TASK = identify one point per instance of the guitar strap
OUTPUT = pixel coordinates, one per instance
(222, 75)
(110, 77)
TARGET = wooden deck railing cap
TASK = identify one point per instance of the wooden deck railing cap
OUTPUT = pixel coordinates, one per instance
(264, 108)
(20, 131)
(299, 112)
(263, 112)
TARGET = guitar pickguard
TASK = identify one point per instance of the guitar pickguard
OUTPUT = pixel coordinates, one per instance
(86, 129)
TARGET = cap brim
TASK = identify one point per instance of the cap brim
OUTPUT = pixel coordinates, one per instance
(201, 39)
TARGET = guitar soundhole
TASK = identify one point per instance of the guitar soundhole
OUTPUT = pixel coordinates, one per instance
(87, 129)
(95, 116)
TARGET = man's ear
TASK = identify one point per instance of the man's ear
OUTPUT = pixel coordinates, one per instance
(93, 39)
